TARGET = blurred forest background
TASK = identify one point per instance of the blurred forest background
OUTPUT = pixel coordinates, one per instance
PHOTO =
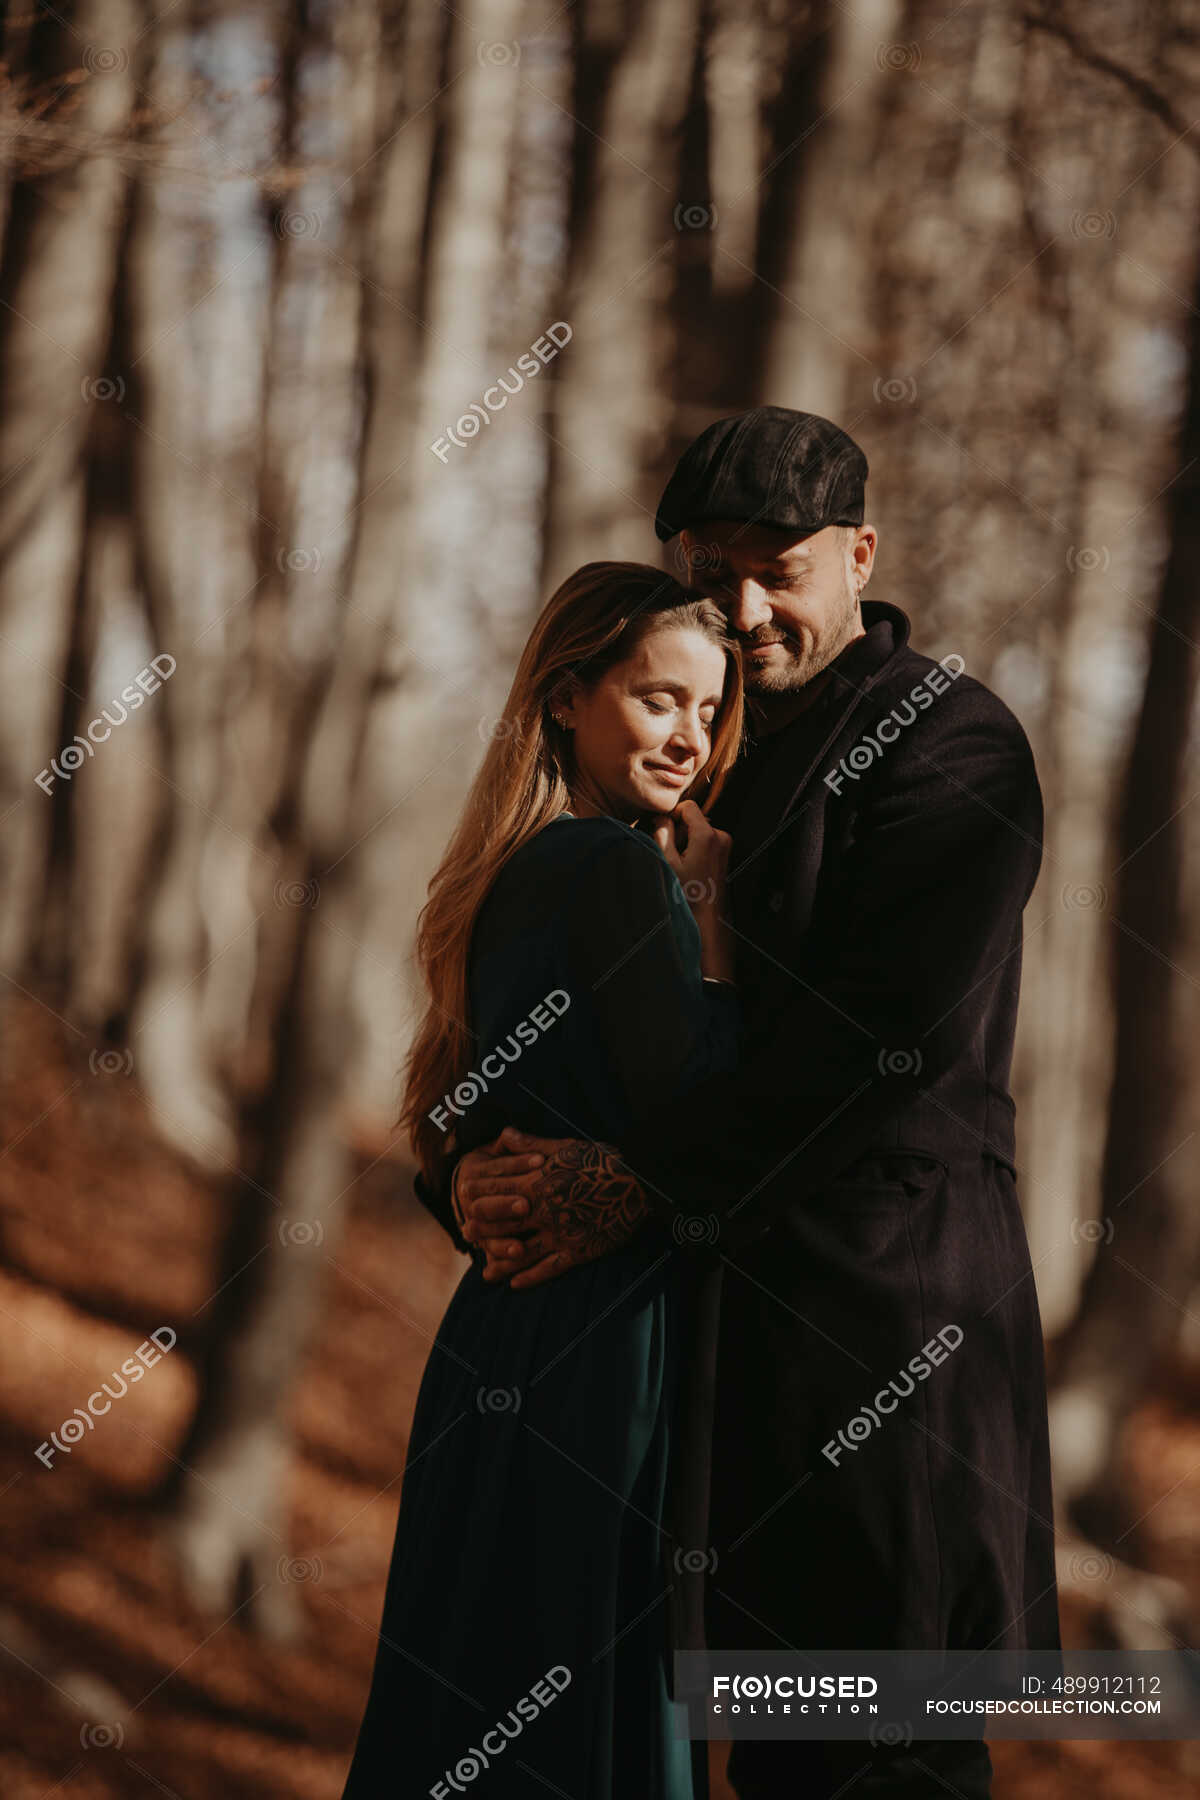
(258, 264)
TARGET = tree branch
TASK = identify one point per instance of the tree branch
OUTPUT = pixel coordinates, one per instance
(1143, 90)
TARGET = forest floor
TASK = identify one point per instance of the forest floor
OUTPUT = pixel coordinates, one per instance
(116, 1687)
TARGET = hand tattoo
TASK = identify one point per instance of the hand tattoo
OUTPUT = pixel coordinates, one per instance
(587, 1200)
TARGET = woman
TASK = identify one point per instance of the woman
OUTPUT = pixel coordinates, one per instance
(573, 986)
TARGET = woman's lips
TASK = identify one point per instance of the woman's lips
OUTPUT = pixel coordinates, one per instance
(665, 772)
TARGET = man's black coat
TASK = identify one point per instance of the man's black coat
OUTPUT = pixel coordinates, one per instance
(867, 1391)
(880, 1470)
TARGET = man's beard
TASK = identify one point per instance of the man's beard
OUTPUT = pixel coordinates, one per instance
(803, 660)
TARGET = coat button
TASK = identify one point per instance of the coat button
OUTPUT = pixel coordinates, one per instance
(775, 900)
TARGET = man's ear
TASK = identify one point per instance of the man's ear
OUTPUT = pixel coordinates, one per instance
(866, 540)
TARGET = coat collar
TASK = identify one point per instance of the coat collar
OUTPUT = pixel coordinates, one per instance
(886, 631)
(784, 762)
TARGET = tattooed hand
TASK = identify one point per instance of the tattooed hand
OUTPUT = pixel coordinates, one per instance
(541, 1206)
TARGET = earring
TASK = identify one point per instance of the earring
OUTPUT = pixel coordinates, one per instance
(560, 721)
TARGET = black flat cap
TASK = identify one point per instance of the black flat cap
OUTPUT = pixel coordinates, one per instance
(770, 466)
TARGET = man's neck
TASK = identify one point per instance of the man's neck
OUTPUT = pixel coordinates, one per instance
(771, 712)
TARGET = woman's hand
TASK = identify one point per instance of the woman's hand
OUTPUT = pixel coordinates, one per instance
(703, 865)
(702, 868)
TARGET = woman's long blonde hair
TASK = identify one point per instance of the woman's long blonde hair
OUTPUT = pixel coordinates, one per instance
(595, 620)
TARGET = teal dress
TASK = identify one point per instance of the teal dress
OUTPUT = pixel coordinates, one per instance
(525, 1640)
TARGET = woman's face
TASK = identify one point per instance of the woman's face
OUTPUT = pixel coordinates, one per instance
(642, 733)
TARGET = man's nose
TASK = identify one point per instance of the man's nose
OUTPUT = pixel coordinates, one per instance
(747, 606)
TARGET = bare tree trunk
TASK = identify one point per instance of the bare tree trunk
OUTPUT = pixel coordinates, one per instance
(56, 286)
(820, 328)
(612, 413)
(421, 567)
(198, 291)
(228, 1515)
(1065, 1043)
(1150, 1229)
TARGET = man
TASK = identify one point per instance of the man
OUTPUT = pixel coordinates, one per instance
(879, 1455)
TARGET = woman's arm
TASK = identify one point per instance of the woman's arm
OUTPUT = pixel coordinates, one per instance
(440, 1197)
(639, 956)
(437, 1198)
(702, 869)
(635, 961)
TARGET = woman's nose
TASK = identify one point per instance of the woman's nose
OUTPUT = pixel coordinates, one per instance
(689, 736)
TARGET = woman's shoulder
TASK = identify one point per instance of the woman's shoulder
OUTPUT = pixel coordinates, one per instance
(567, 877)
(571, 840)
(577, 861)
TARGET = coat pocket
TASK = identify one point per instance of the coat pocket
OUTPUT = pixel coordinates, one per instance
(886, 1179)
